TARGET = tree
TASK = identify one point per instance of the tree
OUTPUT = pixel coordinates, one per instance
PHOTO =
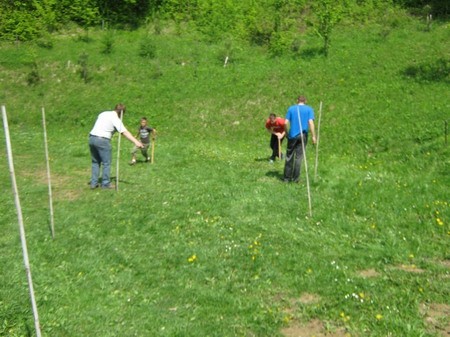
(328, 13)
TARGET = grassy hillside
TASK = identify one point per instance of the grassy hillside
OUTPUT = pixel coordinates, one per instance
(207, 241)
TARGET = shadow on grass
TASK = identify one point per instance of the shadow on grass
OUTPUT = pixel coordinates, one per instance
(432, 71)
(113, 180)
(275, 174)
(309, 53)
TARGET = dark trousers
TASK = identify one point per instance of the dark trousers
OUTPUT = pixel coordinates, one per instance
(274, 146)
(294, 156)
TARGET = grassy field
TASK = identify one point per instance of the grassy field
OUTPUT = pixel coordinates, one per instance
(207, 241)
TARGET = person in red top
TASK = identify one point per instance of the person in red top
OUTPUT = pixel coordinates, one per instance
(276, 127)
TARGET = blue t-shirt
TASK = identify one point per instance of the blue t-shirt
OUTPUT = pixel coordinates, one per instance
(305, 112)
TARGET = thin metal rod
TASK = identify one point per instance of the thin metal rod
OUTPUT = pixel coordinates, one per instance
(306, 162)
(21, 226)
(50, 197)
(118, 153)
(317, 145)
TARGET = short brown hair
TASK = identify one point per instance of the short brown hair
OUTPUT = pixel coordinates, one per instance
(301, 99)
(120, 108)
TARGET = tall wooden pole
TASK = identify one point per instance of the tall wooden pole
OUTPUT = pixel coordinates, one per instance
(118, 153)
(306, 162)
(50, 197)
(317, 145)
(21, 226)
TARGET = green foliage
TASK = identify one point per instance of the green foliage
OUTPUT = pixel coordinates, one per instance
(17, 25)
(45, 41)
(438, 8)
(83, 63)
(108, 43)
(147, 48)
(328, 13)
(33, 77)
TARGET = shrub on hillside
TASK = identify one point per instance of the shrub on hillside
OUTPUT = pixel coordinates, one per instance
(147, 48)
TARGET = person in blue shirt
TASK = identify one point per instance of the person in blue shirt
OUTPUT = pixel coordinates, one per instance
(299, 123)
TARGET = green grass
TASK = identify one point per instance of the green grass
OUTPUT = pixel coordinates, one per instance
(208, 241)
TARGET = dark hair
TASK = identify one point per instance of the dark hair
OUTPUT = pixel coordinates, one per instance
(144, 118)
(120, 108)
(272, 115)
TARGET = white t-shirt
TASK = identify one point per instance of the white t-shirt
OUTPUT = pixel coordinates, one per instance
(106, 124)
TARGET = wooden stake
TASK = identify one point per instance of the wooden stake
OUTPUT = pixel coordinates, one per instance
(306, 162)
(279, 148)
(52, 223)
(118, 153)
(21, 226)
(153, 151)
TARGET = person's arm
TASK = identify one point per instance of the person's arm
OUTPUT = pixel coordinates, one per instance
(312, 130)
(268, 128)
(130, 137)
(287, 126)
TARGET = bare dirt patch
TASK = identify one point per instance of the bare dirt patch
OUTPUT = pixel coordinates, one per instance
(314, 328)
(436, 317)
(368, 273)
(62, 185)
(410, 268)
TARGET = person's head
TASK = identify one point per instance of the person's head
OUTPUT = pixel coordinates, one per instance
(120, 109)
(144, 121)
(272, 117)
(301, 99)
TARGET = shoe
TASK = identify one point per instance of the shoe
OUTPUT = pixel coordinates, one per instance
(285, 180)
(147, 160)
(108, 187)
(133, 162)
(271, 161)
(93, 187)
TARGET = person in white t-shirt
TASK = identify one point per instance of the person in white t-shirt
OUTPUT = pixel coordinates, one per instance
(107, 123)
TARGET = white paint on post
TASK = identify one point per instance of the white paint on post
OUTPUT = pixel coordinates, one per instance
(20, 220)
(47, 159)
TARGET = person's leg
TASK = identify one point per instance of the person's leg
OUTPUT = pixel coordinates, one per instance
(299, 157)
(274, 146)
(289, 164)
(104, 150)
(133, 155)
(96, 161)
(144, 151)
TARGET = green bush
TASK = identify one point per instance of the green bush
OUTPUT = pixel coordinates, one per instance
(147, 48)
(33, 77)
(108, 43)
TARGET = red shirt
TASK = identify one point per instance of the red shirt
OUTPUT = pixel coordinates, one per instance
(277, 125)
